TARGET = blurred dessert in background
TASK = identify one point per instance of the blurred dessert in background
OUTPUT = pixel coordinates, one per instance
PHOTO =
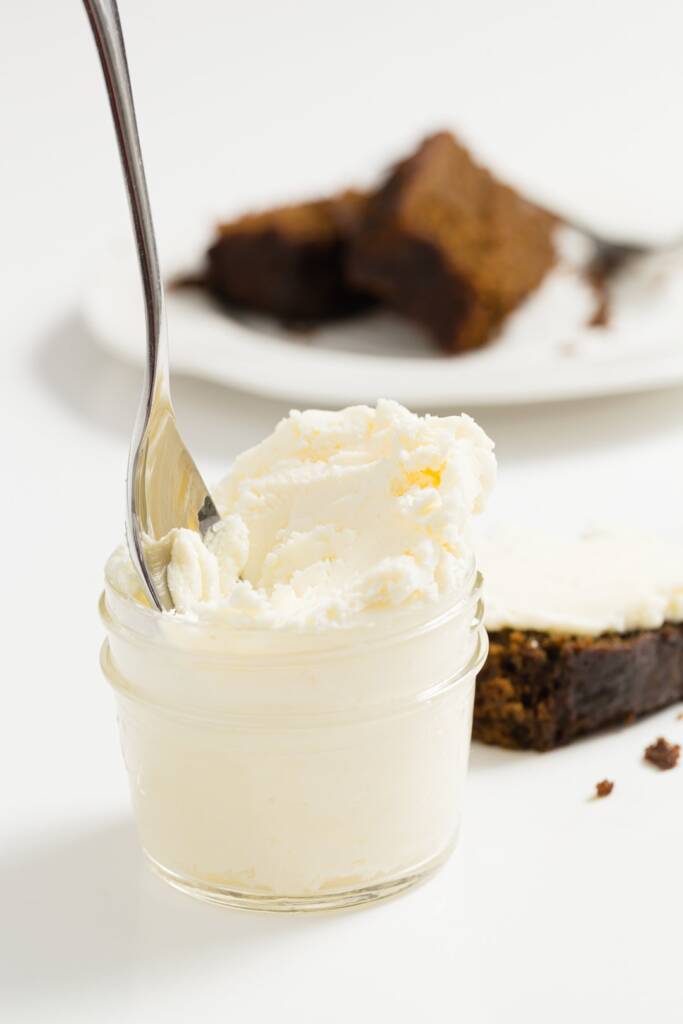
(289, 262)
(441, 242)
(450, 247)
(585, 632)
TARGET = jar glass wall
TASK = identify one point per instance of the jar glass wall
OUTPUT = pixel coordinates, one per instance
(285, 770)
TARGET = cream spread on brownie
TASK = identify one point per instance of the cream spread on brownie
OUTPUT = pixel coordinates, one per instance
(599, 582)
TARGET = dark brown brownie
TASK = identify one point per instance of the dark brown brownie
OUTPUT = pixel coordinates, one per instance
(662, 754)
(289, 262)
(447, 245)
(538, 691)
(604, 788)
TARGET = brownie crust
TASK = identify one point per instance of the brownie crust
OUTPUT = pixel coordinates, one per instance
(447, 245)
(289, 262)
(538, 691)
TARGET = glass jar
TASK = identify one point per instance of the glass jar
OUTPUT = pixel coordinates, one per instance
(291, 770)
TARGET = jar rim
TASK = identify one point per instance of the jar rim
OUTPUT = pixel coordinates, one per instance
(122, 614)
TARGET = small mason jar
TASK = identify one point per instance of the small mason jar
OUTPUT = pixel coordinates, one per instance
(296, 770)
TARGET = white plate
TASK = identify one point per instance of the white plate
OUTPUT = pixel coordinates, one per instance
(543, 355)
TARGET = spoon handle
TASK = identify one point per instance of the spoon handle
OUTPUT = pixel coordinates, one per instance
(106, 28)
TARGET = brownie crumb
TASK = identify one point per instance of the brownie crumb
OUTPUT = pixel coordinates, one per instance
(679, 716)
(603, 788)
(663, 754)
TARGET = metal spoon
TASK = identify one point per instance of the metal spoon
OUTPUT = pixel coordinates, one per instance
(164, 487)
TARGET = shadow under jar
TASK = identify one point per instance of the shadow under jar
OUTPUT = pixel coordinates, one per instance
(296, 770)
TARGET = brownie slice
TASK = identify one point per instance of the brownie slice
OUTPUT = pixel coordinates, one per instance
(447, 245)
(289, 262)
(538, 691)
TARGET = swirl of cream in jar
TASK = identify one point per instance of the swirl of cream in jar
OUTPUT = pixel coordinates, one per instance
(337, 516)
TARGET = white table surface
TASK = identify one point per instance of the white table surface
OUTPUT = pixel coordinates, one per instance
(554, 907)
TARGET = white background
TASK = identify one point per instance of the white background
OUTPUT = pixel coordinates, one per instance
(554, 907)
